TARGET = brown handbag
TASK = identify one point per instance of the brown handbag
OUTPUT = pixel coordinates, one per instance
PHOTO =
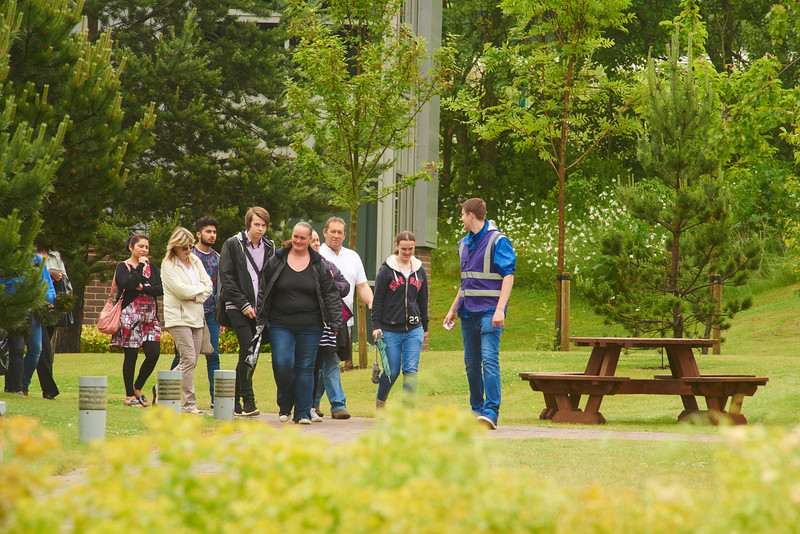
(206, 347)
(108, 320)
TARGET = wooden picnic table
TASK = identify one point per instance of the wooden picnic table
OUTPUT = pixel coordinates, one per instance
(563, 391)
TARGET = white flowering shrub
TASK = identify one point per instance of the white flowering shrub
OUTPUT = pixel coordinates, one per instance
(532, 228)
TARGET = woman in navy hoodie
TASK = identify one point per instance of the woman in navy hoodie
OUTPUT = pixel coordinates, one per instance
(400, 314)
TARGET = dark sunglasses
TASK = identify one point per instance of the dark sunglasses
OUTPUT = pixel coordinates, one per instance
(187, 248)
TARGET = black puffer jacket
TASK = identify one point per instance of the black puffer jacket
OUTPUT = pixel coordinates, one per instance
(330, 303)
(400, 304)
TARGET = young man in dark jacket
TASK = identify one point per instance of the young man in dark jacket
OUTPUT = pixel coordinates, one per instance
(239, 288)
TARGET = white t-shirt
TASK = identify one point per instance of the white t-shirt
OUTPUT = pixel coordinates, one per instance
(349, 262)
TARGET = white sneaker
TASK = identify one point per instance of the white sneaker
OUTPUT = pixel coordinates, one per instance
(488, 423)
(303, 421)
(315, 418)
(284, 417)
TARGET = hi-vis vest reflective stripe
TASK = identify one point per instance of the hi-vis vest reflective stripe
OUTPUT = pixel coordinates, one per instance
(480, 287)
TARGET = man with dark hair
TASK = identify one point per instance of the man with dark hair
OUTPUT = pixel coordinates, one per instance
(488, 263)
(206, 230)
(240, 287)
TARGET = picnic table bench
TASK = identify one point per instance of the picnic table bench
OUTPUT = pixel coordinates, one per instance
(562, 392)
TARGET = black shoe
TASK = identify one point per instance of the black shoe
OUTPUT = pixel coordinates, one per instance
(48, 396)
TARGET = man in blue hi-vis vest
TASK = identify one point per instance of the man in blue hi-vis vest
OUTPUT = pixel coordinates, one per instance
(488, 263)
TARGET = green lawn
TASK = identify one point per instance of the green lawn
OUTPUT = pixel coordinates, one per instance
(761, 342)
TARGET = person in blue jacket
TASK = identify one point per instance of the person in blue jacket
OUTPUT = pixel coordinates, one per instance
(488, 263)
(22, 364)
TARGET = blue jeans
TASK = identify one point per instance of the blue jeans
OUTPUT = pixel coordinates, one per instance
(330, 381)
(402, 351)
(294, 350)
(482, 363)
(212, 360)
(34, 345)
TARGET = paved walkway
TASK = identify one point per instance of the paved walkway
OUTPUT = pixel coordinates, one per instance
(343, 431)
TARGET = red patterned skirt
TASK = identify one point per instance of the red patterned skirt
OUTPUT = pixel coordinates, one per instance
(138, 323)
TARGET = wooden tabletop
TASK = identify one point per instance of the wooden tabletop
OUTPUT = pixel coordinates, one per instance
(642, 342)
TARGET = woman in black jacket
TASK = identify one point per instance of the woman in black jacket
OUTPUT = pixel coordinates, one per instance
(300, 299)
(138, 284)
(400, 314)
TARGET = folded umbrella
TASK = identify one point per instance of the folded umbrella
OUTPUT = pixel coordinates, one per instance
(384, 358)
(253, 350)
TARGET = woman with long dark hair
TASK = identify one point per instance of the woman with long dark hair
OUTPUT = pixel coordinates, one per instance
(138, 284)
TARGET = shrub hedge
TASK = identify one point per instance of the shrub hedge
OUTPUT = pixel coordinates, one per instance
(414, 472)
(93, 341)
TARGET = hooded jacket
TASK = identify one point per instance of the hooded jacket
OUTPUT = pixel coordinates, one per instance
(400, 304)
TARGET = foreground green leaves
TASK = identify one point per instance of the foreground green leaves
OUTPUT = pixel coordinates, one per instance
(415, 472)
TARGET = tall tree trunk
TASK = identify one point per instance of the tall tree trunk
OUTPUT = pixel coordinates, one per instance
(561, 171)
(677, 320)
(361, 306)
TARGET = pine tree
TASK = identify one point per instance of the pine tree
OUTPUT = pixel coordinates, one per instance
(28, 159)
(222, 133)
(58, 75)
(656, 270)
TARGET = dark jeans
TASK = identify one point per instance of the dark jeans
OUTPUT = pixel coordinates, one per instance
(44, 369)
(294, 350)
(244, 328)
(16, 353)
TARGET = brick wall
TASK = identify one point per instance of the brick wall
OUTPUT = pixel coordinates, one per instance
(95, 298)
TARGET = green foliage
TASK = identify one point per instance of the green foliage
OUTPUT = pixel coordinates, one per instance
(415, 472)
(29, 157)
(654, 276)
(92, 341)
(470, 163)
(362, 81)
(222, 132)
(67, 86)
(554, 89)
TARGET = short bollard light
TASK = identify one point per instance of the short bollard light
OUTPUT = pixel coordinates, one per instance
(169, 390)
(224, 394)
(2, 430)
(92, 407)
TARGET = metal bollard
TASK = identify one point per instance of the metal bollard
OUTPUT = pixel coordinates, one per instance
(224, 394)
(92, 407)
(169, 390)
(2, 430)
